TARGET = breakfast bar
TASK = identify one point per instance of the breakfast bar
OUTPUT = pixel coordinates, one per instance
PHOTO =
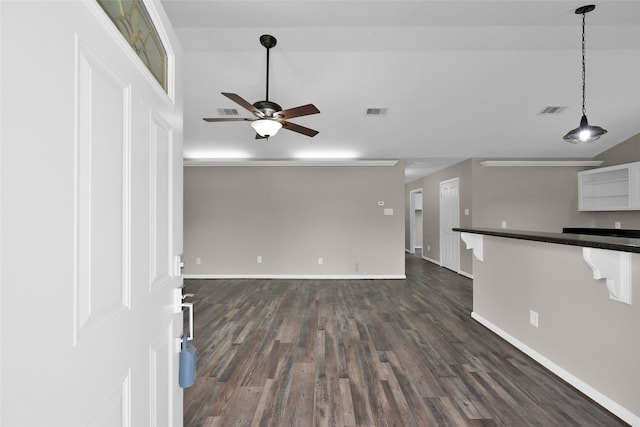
(571, 301)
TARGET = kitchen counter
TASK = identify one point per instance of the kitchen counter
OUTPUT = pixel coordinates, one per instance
(622, 244)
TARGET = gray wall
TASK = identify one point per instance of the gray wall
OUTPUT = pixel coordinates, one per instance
(291, 216)
(532, 198)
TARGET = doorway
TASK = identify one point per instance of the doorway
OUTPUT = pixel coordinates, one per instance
(415, 221)
(450, 218)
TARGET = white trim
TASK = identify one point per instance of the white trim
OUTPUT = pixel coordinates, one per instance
(474, 242)
(438, 263)
(297, 276)
(490, 163)
(160, 275)
(465, 274)
(576, 382)
(615, 267)
(1, 222)
(292, 162)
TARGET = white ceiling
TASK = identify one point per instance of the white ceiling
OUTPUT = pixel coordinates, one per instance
(460, 79)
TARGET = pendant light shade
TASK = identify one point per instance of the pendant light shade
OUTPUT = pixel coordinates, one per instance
(584, 132)
(266, 127)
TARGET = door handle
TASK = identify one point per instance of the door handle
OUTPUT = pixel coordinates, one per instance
(180, 304)
(189, 305)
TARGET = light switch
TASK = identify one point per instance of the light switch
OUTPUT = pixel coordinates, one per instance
(466, 211)
(388, 211)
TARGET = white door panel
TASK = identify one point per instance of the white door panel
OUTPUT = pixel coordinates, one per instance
(90, 224)
(449, 218)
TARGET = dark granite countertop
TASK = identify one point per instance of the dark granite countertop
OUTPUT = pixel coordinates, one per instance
(623, 244)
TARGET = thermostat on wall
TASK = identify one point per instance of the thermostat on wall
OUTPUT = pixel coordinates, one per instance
(380, 203)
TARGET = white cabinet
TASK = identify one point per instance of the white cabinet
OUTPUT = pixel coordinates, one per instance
(614, 188)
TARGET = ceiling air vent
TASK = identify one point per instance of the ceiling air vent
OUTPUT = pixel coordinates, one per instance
(376, 112)
(227, 111)
(551, 111)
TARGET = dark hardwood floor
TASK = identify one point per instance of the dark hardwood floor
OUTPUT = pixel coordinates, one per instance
(365, 353)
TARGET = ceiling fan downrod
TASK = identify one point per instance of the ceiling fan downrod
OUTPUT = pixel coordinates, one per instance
(268, 41)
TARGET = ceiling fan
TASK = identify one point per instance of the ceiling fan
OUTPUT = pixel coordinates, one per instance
(269, 116)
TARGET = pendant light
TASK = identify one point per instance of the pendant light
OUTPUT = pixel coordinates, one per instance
(584, 132)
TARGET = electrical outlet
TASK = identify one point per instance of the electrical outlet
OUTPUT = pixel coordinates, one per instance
(320, 261)
(616, 224)
(533, 318)
(259, 259)
(428, 248)
(504, 224)
(198, 261)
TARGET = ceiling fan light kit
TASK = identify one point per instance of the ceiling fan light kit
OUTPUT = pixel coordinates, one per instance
(584, 132)
(269, 116)
(266, 127)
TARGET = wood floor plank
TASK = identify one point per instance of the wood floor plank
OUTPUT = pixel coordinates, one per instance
(301, 402)
(346, 399)
(365, 353)
(259, 414)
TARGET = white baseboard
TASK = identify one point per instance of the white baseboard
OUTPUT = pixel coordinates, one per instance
(297, 276)
(439, 264)
(576, 382)
(465, 274)
(432, 260)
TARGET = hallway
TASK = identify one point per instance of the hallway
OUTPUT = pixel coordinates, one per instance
(365, 353)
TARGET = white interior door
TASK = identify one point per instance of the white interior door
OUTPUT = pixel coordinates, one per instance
(449, 218)
(91, 196)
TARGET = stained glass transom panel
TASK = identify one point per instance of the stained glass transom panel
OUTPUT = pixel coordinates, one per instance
(133, 21)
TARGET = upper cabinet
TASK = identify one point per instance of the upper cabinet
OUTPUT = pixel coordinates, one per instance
(614, 188)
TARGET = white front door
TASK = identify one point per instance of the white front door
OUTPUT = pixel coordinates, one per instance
(91, 223)
(449, 218)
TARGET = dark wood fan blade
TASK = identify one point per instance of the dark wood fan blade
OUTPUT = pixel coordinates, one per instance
(227, 119)
(300, 129)
(303, 110)
(258, 136)
(240, 101)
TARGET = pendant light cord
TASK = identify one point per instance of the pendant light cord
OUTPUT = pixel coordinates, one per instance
(584, 73)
